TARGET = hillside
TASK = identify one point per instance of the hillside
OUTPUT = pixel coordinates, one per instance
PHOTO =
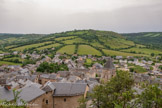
(80, 42)
(150, 39)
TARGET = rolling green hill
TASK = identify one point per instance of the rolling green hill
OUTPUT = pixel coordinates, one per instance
(150, 39)
(82, 42)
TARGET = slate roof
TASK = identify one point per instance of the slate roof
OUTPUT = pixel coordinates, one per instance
(69, 89)
(53, 76)
(6, 94)
(49, 76)
(97, 65)
(64, 73)
(48, 87)
(30, 93)
(109, 64)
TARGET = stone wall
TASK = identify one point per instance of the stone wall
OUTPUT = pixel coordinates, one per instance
(36, 103)
(48, 100)
(66, 102)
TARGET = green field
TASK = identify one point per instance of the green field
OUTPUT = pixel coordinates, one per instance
(69, 49)
(143, 50)
(8, 63)
(88, 42)
(1, 52)
(116, 43)
(8, 47)
(140, 46)
(88, 61)
(85, 50)
(63, 38)
(118, 53)
(49, 46)
(13, 58)
(138, 69)
(97, 44)
(76, 40)
(29, 46)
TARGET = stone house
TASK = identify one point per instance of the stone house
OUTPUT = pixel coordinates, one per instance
(51, 95)
(44, 78)
(63, 95)
(108, 71)
(32, 95)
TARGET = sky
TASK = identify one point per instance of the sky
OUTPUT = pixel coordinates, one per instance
(51, 16)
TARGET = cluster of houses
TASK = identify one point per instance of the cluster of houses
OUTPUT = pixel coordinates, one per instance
(56, 90)
(64, 88)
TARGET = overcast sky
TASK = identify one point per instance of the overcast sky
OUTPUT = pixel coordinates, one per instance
(50, 16)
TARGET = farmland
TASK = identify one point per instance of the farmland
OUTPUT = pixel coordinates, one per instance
(69, 49)
(64, 38)
(142, 51)
(85, 49)
(9, 63)
(119, 53)
(48, 46)
(82, 42)
(29, 46)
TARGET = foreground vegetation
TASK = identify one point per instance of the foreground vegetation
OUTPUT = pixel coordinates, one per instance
(118, 93)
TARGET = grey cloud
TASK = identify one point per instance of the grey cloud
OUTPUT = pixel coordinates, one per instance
(128, 19)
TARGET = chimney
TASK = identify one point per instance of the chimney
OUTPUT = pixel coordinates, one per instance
(8, 87)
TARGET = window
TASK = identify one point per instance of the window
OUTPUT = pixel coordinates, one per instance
(43, 100)
(64, 99)
(46, 101)
(46, 92)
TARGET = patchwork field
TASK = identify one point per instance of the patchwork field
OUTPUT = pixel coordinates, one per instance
(63, 38)
(49, 46)
(8, 47)
(1, 52)
(97, 44)
(118, 53)
(69, 49)
(8, 63)
(116, 43)
(143, 50)
(13, 58)
(85, 49)
(88, 41)
(76, 40)
(30, 46)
